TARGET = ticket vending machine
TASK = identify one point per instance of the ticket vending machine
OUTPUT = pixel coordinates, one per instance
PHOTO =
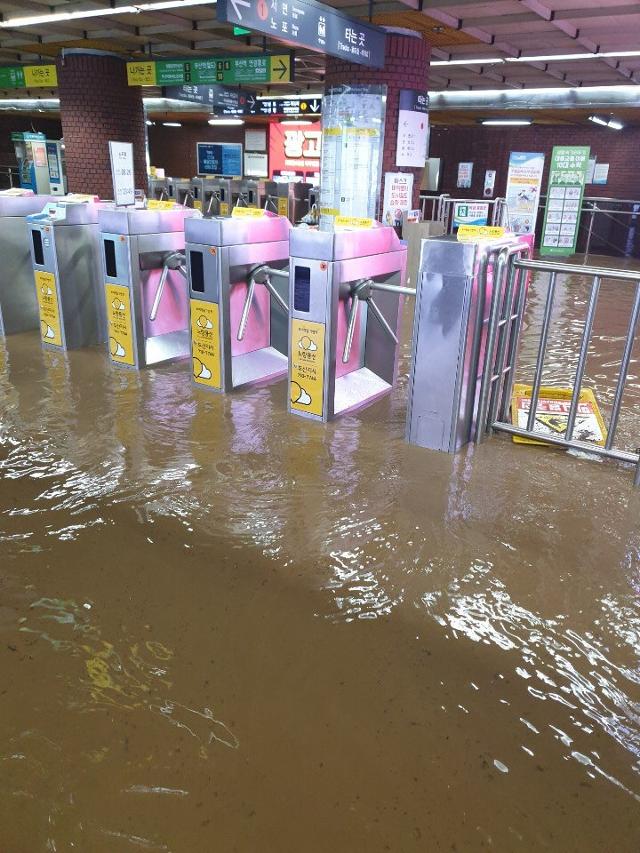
(18, 303)
(345, 290)
(33, 166)
(65, 252)
(238, 282)
(145, 287)
(57, 168)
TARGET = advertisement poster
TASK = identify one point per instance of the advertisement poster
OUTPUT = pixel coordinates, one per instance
(524, 181)
(352, 143)
(567, 176)
(413, 129)
(398, 194)
(295, 151)
(465, 172)
(473, 213)
(489, 183)
(601, 173)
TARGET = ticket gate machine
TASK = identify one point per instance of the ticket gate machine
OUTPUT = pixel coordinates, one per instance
(217, 196)
(181, 191)
(159, 189)
(65, 251)
(345, 289)
(145, 288)
(277, 198)
(248, 193)
(18, 302)
(238, 284)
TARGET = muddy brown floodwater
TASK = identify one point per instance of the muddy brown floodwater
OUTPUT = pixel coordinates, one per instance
(223, 628)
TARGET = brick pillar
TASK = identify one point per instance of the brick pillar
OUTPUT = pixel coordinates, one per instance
(96, 106)
(406, 66)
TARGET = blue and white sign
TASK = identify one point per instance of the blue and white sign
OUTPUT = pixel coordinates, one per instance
(220, 158)
(470, 213)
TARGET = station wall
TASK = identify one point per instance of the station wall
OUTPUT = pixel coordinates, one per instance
(11, 124)
(489, 147)
(174, 148)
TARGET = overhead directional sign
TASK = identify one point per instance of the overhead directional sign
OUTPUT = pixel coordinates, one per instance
(220, 98)
(266, 68)
(28, 77)
(253, 106)
(308, 23)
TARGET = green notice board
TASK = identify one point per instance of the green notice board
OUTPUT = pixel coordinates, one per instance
(567, 175)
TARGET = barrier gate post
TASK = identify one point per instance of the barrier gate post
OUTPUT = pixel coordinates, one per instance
(458, 289)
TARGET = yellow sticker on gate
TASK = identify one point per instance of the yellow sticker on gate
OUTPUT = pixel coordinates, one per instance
(120, 326)
(157, 204)
(247, 212)
(224, 208)
(307, 366)
(283, 207)
(50, 328)
(205, 343)
(469, 233)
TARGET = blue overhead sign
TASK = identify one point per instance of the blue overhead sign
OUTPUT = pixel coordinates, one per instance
(306, 23)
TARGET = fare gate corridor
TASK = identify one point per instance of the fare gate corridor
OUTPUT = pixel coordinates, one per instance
(219, 621)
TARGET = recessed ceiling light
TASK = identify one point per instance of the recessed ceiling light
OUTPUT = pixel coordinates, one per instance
(54, 17)
(598, 120)
(505, 122)
(227, 121)
(295, 121)
(171, 124)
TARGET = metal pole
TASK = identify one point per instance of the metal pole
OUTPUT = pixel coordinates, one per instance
(393, 288)
(594, 207)
(377, 313)
(544, 336)
(276, 295)
(582, 358)
(624, 367)
(245, 309)
(159, 292)
(353, 313)
(501, 351)
(492, 331)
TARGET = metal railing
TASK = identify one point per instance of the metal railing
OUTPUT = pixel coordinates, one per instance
(608, 226)
(503, 337)
(9, 177)
(442, 209)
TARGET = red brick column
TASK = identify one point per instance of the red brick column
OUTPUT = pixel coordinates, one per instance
(406, 66)
(97, 105)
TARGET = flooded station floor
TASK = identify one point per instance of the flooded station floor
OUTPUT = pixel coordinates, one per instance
(224, 628)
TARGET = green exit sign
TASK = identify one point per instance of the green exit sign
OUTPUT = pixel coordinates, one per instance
(240, 31)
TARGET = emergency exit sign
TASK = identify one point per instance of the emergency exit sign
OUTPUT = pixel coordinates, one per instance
(28, 77)
(263, 69)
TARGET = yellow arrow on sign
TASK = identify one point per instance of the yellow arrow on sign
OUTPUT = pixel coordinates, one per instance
(280, 69)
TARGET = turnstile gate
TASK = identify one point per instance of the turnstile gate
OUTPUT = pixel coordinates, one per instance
(65, 252)
(343, 342)
(238, 285)
(18, 301)
(147, 299)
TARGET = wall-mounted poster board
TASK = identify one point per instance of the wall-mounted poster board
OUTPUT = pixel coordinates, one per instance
(220, 158)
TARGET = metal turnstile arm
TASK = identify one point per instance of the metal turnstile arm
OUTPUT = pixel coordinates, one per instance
(267, 272)
(361, 292)
(171, 262)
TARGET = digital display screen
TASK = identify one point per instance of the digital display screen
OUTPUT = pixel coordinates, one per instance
(220, 158)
